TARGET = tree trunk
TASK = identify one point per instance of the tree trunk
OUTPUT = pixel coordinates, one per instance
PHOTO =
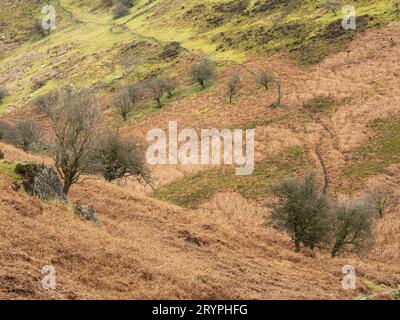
(297, 245)
(67, 187)
(278, 93)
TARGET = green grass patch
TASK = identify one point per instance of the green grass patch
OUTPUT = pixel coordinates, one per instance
(324, 104)
(376, 289)
(373, 156)
(193, 190)
(7, 169)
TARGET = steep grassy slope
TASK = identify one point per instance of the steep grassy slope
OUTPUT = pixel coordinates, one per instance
(147, 249)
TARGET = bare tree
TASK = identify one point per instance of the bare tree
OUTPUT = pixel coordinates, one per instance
(156, 88)
(382, 199)
(234, 86)
(170, 84)
(116, 157)
(202, 71)
(125, 100)
(264, 78)
(24, 134)
(353, 227)
(73, 115)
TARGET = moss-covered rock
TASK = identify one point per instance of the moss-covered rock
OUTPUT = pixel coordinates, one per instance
(40, 180)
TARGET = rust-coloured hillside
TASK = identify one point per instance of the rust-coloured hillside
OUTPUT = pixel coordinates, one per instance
(201, 233)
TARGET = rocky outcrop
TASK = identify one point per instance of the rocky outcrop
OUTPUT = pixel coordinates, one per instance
(40, 180)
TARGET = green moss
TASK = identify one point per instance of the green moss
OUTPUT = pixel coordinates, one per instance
(7, 169)
(191, 191)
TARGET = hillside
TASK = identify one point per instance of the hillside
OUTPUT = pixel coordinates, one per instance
(201, 233)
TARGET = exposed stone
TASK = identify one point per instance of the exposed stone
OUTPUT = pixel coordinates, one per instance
(40, 180)
(87, 212)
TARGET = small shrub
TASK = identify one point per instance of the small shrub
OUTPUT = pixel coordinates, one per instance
(37, 29)
(156, 88)
(303, 211)
(115, 157)
(120, 10)
(170, 84)
(3, 94)
(37, 84)
(233, 87)
(264, 78)
(320, 103)
(125, 100)
(353, 227)
(24, 135)
(381, 199)
(202, 71)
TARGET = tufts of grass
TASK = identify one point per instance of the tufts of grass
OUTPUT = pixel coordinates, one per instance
(193, 190)
(322, 103)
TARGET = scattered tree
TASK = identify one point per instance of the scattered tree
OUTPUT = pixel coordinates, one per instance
(202, 71)
(234, 86)
(24, 135)
(156, 88)
(264, 78)
(116, 157)
(73, 115)
(382, 199)
(125, 100)
(37, 29)
(303, 212)
(353, 227)
(3, 94)
(170, 84)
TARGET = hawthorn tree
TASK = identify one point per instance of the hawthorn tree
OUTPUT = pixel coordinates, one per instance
(202, 71)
